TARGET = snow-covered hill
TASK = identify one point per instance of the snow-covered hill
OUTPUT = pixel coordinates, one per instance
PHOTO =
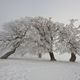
(38, 69)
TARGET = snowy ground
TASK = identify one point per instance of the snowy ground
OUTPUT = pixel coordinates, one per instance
(38, 69)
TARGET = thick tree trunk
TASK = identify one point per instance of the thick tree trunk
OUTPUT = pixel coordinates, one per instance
(73, 57)
(5, 56)
(52, 56)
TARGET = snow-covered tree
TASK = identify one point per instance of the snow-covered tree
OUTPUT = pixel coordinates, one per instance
(69, 40)
(35, 33)
(39, 35)
(14, 35)
(46, 32)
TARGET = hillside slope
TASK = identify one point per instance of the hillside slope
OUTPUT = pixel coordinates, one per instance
(38, 70)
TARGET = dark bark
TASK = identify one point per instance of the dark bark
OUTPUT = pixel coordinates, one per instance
(5, 56)
(73, 57)
(52, 56)
(39, 55)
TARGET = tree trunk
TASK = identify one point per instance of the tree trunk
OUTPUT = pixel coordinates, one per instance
(52, 56)
(5, 56)
(73, 57)
(39, 55)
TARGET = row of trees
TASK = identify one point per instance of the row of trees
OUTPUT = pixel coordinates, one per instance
(40, 35)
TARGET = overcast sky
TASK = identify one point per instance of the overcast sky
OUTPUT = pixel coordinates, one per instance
(60, 10)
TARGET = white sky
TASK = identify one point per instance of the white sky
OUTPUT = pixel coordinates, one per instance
(60, 10)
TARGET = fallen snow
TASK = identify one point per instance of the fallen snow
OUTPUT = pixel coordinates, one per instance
(38, 69)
